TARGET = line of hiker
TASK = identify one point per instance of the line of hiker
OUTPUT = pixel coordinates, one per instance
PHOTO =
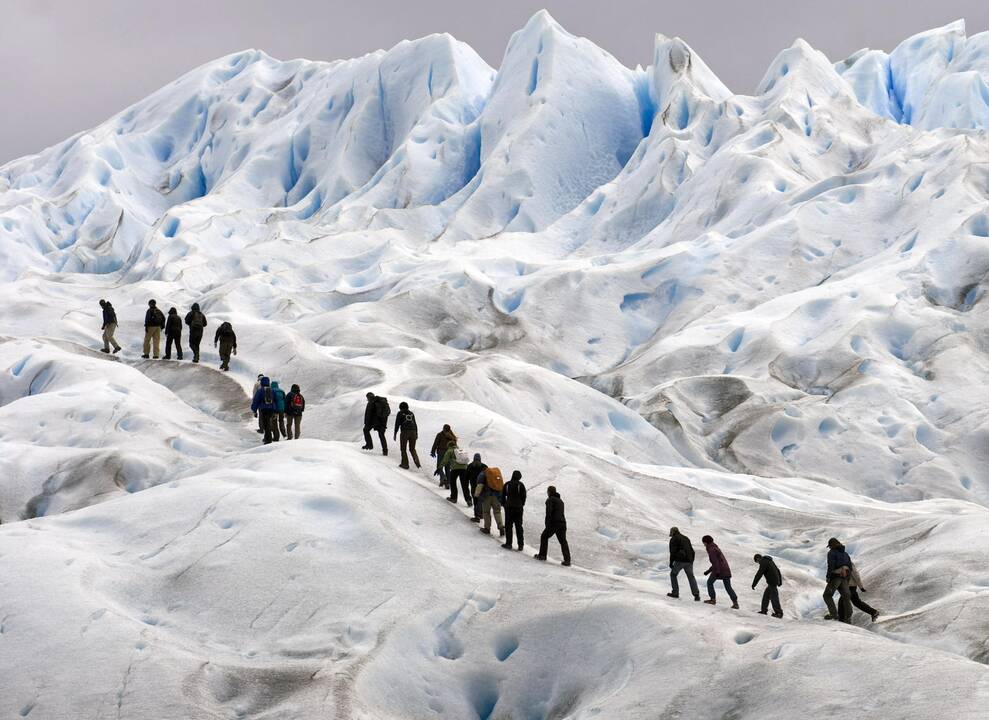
(842, 576)
(279, 414)
(483, 487)
(156, 322)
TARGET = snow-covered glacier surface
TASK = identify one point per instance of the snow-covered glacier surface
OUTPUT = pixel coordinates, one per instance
(757, 317)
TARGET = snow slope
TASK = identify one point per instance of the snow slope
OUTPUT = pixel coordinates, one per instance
(758, 317)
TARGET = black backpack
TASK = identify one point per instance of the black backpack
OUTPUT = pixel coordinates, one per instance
(159, 318)
(268, 395)
(382, 410)
(409, 422)
(688, 549)
(514, 493)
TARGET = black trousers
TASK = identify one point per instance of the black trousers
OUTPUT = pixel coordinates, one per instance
(461, 477)
(381, 434)
(513, 521)
(407, 442)
(269, 423)
(860, 603)
(169, 340)
(771, 595)
(561, 534)
(472, 484)
(195, 337)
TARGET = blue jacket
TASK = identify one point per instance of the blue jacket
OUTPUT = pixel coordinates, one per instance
(258, 403)
(279, 397)
(837, 557)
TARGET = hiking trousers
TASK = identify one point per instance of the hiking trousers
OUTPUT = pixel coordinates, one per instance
(771, 595)
(294, 426)
(728, 589)
(281, 424)
(491, 505)
(513, 521)
(407, 443)
(195, 337)
(478, 503)
(381, 434)
(152, 335)
(853, 593)
(455, 476)
(169, 341)
(226, 347)
(688, 569)
(269, 423)
(561, 534)
(844, 610)
(108, 338)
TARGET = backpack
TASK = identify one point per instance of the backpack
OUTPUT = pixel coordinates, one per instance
(268, 396)
(196, 321)
(513, 492)
(298, 402)
(159, 318)
(381, 410)
(493, 479)
(409, 422)
(461, 457)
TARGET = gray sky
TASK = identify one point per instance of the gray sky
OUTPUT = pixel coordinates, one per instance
(66, 65)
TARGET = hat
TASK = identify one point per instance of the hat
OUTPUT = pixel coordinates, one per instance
(707, 539)
(674, 531)
(833, 541)
(477, 457)
(516, 475)
(369, 395)
(151, 303)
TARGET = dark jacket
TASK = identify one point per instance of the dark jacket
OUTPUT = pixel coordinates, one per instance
(154, 318)
(768, 570)
(195, 319)
(473, 473)
(443, 438)
(373, 415)
(290, 408)
(226, 333)
(837, 558)
(719, 564)
(400, 423)
(109, 315)
(513, 495)
(258, 403)
(173, 325)
(555, 517)
(680, 549)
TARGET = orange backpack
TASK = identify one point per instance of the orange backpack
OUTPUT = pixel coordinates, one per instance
(493, 479)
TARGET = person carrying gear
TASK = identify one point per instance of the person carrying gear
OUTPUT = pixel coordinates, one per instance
(556, 524)
(681, 559)
(376, 418)
(227, 339)
(488, 492)
(405, 422)
(774, 579)
(443, 439)
(295, 405)
(279, 419)
(109, 327)
(154, 321)
(513, 498)
(257, 386)
(719, 570)
(474, 472)
(173, 334)
(196, 321)
(265, 406)
(854, 587)
(455, 464)
(839, 570)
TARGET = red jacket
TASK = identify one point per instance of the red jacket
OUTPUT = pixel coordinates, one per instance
(719, 565)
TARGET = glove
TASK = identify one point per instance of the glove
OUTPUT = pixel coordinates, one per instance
(707, 572)
(255, 413)
(753, 587)
(235, 351)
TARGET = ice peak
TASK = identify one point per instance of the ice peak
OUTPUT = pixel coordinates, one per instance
(675, 61)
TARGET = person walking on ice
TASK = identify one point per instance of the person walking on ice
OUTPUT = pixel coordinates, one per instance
(154, 321)
(774, 579)
(405, 422)
(196, 321)
(173, 334)
(227, 339)
(295, 405)
(839, 570)
(719, 570)
(109, 327)
(513, 498)
(681, 559)
(264, 406)
(556, 524)
(455, 462)
(854, 588)
(376, 418)
(488, 491)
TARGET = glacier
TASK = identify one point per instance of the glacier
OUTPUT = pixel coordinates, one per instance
(759, 317)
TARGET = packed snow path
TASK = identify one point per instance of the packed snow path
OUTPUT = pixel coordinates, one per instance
(756, 317)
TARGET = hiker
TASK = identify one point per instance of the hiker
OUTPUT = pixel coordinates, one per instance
(488, 491)
(173, 334)
(473, 473)
(376, 418)
(443, 439)
(109, 327)
(279, 418)
(556, 524)
(839, 569)
(455, 464)
(774, 579)
(154, 321)
(263, 406)
(513, 498)
(295, 405)
(257, 386)
(196, 322)
(719, 570)
(405, 421)
(854, 587)
(681, 558)
(227, 339)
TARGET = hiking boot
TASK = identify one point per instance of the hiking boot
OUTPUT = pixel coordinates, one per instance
(168, 357)
(385, 453)
(565, 563)
(672, 595)
(506, 546)
(452, 500)
(486, 531)
(710, 601)
(146, 357)
(875, 616)
(829, 616)
(469, 503)
(156, 357)
(259, 432)
(764, 612)
(404, 467)
(501, 532)
(195, 359)
(116, 350)
(519, 549)
(539, 557)
(777, 615)
(104, 350)
(697, 598)
(477, 520)
(364, 447)
(734, 606)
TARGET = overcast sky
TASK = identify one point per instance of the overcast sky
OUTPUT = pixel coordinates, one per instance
(66, 65)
